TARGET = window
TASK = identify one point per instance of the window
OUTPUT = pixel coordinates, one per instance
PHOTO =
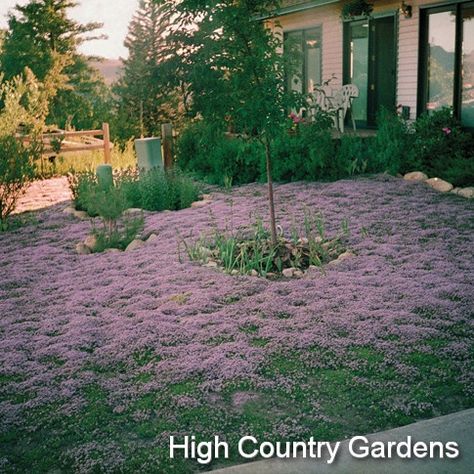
(447, 60)
(307, 46)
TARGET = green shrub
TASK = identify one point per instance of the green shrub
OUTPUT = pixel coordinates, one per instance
(204, 150)
(353, 154)
(441, 148)
(155, 190)
(82, 184)
(16, 172)
(390, 145)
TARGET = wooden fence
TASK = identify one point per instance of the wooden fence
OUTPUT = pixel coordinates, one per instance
(56, 143)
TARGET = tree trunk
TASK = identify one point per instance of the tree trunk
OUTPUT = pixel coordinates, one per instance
(270, 191)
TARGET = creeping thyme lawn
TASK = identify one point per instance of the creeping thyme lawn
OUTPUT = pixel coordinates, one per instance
(103, 356)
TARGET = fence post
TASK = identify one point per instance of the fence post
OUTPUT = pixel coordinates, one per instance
(106, 137)
(167, 143)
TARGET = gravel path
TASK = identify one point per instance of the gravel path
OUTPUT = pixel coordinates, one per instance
(44, 193)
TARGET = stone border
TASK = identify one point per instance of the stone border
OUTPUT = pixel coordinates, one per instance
(440, 185)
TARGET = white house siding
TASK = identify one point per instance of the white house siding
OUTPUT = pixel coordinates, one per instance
(328, 17)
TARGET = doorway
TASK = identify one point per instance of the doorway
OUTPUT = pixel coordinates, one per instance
(370, 64)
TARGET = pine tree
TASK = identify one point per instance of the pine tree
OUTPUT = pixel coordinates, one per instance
(141, 105)
(37, 33)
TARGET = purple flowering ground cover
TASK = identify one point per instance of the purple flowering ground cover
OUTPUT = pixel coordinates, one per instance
(103, 356)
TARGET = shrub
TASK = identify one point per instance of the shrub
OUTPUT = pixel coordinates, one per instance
(441, 148)
(390, 145)
(204, 150)
(82, 184)
(155, 190)
(16, 172)
(353, 154)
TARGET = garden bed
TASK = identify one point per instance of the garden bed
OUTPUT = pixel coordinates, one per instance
(102, 357)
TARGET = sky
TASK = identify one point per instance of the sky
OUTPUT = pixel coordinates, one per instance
(115, 14)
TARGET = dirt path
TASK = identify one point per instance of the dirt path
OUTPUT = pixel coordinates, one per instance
(44, 193)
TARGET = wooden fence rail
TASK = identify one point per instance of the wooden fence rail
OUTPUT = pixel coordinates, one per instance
(56, 142)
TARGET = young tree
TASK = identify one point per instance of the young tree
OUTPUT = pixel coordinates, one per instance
(232, 65)
(37, 33)
(141, 104)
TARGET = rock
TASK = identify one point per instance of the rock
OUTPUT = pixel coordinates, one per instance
(298, 274)
(112, 250)
(132, 211)
(80, 214)
(456, 190)
(346, 255)
(211, 264)
(90, 241)
(198, 204)
(439, 185)
(288, 272)
(82, 249)
(151, 238)
(466, 192)
(254, 273)
(234, 272)
(134, 245)
(206, 197)
(415, 176)
(69, 210)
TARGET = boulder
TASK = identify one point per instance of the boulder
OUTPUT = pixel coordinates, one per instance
(206, 197)
(80, 214)
(415, 176)
(82, 249)
(151, 238)
(234, 272)
(288, 272)
(198, 204)
(439, 185)
(132, 211)
(69, 210)
(466, 192)
(90, 241)
(344, 256)
(211, 264)
(298, 274)
(254, 273)
(134, 245)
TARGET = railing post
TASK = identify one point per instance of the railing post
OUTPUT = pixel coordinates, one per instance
(106, 137)
(167, 143)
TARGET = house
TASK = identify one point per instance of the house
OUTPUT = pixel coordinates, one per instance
(418, 54)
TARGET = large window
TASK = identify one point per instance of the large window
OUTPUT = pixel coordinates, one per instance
(306, 45)
(447, 60)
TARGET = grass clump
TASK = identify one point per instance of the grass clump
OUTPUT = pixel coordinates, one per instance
(251, 252)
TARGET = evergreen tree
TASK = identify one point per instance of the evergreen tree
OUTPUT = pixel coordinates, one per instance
(37, 33)
(141, 104)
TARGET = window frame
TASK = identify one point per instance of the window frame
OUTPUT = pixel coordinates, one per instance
(303, 31)
(425, 12)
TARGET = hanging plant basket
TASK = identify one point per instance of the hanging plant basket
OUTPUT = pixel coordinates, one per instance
(356, 8)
